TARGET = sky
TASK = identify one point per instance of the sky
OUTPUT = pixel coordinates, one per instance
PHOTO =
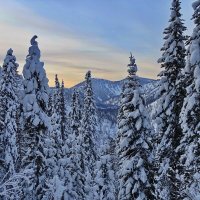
(75, 36)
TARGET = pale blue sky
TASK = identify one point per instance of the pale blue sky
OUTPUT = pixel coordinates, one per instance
(77, 35)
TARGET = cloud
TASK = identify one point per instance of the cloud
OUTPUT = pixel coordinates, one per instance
(64, 51)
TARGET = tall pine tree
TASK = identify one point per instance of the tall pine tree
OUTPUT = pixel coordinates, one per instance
(36, 121)
(190, 117)
(88, 130)
(172, 93)
(56, 118)
(76, 166)
(9, 104)
(134, 133)
(105, 177)
(62, 141)
(63, 111)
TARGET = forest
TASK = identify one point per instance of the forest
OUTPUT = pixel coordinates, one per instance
(53, 149)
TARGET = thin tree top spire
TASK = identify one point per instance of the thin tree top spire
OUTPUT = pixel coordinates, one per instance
(33, 42)
(34, 51)
(63, 84)
(132, 67)
(10, 58)
(57, 83)
(88, 75)
(10, 52)
(175, 7)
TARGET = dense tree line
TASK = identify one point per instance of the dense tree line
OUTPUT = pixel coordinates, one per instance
(173, 166)
(50, 153)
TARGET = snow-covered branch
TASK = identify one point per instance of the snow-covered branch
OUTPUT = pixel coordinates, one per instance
(11, 186)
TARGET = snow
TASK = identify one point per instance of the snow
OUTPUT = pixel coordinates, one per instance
(195, 4)
(74, 146)
(133, 128)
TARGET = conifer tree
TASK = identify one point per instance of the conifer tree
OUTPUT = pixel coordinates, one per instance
(112, 151)
(190, 117)
(58, 184)
(56, 118)
(59, 107)
(76, 166)
(88, 130)
(9, 105)
(36, 121)
(56, 98)
(56, 168)
(75, 114)
(63, 111)
(53, 98)
(54, 186)
(172, 93)
(62, 141)
(134, 133)
(105, 177)
(50, 105)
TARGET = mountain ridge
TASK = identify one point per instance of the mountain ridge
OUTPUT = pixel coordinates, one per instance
(107, 93)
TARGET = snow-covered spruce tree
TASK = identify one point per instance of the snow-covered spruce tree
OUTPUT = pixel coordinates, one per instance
(62, 144)
(88, 130)
(8, 106)
(50, 105)
(54, 186)
(54, 183)
(190, 117)
(20, 137)
(57, 173)
(76, 166)
(112, 151)
(63, 111)
(60, 135)
(56, 98)
(57, 83)
(59, 106)
(75, 114)
(10, 187)
(19, 92)
(134, 133)
(171, 93)
(105, 177)
(36, 121)
(56, 118)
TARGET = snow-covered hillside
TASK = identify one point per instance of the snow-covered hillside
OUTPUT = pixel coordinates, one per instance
(107, 93)
(107, 96)
(95, 141)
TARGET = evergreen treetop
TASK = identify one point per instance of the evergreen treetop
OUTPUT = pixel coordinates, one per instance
(134, 132)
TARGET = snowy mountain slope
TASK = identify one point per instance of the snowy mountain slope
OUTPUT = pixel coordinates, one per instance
(107, 93)
(107, 97)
